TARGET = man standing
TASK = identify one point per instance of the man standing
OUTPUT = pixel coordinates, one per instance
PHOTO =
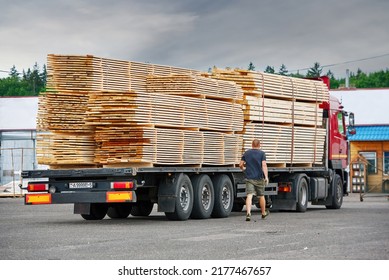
(253, 162)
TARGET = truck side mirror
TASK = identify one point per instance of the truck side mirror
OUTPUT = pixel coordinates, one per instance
(351, 121)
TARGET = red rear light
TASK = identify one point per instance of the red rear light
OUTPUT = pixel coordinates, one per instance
(324, 105)
(122, 185)
(37, 187)
(284, 187)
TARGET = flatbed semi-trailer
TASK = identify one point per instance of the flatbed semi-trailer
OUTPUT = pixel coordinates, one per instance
(180, 192)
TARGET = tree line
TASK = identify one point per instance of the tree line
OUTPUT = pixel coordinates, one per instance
(378, 79)
(25, 83)
(33, 81)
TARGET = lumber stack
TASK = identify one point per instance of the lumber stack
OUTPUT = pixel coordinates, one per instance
(91, 73)
(71, 149)
(104, 112)
(192, 85)
(116, 108)
(283, 112)
(63, 137)
(158, 129)
(285, 144)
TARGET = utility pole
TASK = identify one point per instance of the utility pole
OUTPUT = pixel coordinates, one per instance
(347, 78)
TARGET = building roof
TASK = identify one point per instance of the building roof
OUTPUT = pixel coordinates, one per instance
(368, 105)
(18, 113)
(370, 133)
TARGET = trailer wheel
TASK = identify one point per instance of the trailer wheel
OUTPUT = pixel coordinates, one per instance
(183, 200)
(337, 193)
(302, 195)
(142, 209)
(119, 210)
(224, 196)
(97, 211)
(204, 197)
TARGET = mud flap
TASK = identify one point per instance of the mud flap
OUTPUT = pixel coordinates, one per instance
(167, 194)
(82, 208)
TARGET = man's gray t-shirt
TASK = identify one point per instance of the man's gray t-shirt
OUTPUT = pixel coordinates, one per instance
(253, 159)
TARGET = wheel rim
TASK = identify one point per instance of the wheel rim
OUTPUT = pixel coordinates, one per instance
(339, 192)
(303, 194)
(184, 198)
(226, 197)
(206, 197)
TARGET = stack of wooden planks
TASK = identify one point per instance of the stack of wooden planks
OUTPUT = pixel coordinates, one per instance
(283, 112)
(192, 85)
(167, 132)
(63, 136)
(104, 112)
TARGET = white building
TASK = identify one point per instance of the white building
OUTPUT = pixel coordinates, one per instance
(17, 138)
(368, 105)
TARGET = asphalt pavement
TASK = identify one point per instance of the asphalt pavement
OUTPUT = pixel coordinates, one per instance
(357, 231)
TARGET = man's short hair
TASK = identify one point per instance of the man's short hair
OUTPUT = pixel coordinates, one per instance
(256, 143)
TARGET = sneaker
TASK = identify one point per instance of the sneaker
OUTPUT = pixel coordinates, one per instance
(248, 217)
(267, 212)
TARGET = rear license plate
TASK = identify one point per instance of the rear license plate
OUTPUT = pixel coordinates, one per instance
(81, 185)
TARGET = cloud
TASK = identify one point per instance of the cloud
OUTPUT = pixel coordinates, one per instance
(198, 34)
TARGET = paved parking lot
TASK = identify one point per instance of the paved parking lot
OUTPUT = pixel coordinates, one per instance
(359, 230)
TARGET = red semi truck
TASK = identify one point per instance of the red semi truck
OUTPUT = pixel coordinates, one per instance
(188, 192)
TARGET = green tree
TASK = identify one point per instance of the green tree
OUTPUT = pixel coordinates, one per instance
(36, 81)
(269, 69)
(11, 86)
(30, 83)
(43, 77)
(315, 71)
(251, 67)
(283, 71)
(14, 73)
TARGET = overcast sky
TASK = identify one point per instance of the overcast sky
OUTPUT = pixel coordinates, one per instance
(199, 34)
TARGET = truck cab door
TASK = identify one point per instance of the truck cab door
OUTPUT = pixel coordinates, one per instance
(339, 140)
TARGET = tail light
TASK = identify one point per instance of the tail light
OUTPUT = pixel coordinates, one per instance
(31, 187)
(284, 187)
(122, 185)
(120, 196)
(38, 198)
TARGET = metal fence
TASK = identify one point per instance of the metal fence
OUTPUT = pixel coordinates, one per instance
(12, 162)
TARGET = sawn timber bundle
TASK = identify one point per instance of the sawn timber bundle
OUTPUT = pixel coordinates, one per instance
(104, 112)
(284, 113)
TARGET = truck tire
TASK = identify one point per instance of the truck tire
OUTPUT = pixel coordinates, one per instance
(204, 197)
(224, 196)
(97, 211)
(183, 200)
(302, 195)
(119, 210)
(142, 208)
(337, 193)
